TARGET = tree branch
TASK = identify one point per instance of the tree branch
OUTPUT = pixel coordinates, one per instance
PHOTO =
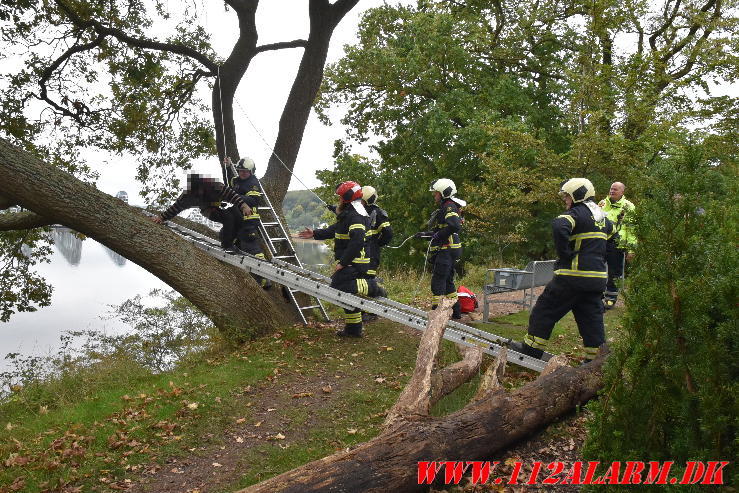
(341, 7)
(450, 378)
(120, 35)
(490, 381)
(296, 43)
(693, 29)
(243, 6)
(415, 400)
(22, 220)
(46, 75)
(663, 27)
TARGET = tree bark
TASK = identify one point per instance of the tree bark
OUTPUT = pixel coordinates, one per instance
(324, 17)
(227, 295)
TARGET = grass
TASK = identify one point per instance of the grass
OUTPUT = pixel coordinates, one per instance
(96, 428)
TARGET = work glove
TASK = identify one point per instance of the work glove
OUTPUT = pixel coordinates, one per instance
(331, 207)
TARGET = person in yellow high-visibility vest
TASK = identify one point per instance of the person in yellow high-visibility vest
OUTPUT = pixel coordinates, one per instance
(620, 248)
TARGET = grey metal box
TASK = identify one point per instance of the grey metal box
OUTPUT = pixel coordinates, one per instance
(513, 278)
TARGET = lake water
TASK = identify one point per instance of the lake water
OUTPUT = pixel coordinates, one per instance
(87, 278)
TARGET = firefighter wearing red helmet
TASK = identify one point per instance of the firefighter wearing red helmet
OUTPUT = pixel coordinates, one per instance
(351, 259)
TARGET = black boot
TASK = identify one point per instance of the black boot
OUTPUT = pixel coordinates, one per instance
(344, 333)
(456, 311)
(523, 348)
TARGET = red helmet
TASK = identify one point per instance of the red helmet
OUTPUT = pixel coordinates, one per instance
(349, 191)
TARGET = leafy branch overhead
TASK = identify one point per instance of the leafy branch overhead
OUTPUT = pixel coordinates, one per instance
(140, 79)
(509, 98)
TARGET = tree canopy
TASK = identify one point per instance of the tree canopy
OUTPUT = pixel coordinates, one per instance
(508, 99)
(139, 79)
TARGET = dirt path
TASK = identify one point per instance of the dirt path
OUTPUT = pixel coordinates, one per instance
(212, 468)
(215, 467)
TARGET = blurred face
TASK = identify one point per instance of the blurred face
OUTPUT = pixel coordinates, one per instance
(616, 191)
(244, 174)
(437, 197)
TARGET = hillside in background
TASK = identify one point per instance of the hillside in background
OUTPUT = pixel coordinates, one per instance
(302, 210)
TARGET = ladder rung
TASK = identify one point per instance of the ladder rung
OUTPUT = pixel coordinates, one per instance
(278, 239)
(270, 224)
(284, 256)
(309, 307)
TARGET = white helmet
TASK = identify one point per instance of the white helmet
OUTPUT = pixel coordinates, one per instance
(580, 189)
(246, 163)
(369, 194)
(444, 186)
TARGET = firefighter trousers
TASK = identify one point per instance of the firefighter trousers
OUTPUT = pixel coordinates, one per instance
(615, 258)
(442, 280)
(558, 298)
(350, 280)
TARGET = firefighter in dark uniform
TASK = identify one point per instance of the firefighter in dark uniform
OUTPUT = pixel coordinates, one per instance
(242, 179)
(379, 235)
(352, 261)
(446, 248)
(207, 194)
(580, 236)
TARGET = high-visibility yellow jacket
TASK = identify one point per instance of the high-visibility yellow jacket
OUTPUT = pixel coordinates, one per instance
(621, 214)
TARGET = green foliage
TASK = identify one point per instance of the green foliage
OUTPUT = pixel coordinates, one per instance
(21, 289)
(101, 93)
(678, 350)
(302, 210)
(508, 99)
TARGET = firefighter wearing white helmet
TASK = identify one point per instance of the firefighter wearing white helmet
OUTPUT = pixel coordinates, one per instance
(380, 232)
(446, 248)
(580, 275)
(242, 179)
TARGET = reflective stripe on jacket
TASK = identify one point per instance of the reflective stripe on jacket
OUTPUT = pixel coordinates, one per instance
(580, 241)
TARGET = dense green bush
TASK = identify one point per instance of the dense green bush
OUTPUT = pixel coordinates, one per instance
(671, 389)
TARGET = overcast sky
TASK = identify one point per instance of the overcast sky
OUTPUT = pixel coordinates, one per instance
(262, 93)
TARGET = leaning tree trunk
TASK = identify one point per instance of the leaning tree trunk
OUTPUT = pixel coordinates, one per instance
(494, 421)
(324, 17)
(228, 296)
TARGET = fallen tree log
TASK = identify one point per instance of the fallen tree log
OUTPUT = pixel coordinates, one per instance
(492, 423)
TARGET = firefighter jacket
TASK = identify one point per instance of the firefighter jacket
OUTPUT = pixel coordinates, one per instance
(379, 235)
(349, 232)
(621, 214)
(251, 191)
(203, 194)
(580, 241)
(445, 227)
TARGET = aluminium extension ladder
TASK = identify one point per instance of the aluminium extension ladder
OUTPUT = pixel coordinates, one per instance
(281, 248)
(297, 278)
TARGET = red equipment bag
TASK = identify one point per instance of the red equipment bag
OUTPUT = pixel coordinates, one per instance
(467, 300)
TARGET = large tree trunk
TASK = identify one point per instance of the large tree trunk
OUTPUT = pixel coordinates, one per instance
(324, 17)
(486, 426)
(227, 295)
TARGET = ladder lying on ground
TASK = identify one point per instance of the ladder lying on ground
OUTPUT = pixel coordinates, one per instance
(297, 278)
